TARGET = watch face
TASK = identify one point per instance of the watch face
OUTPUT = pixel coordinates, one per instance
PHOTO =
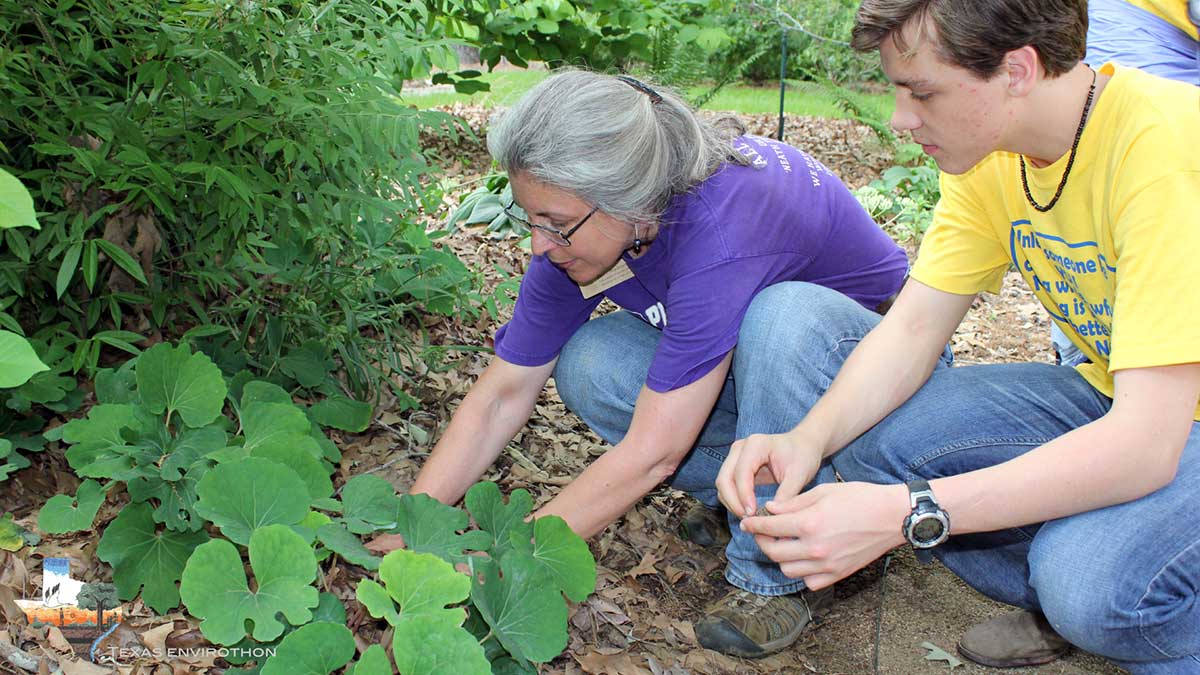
(927, 529)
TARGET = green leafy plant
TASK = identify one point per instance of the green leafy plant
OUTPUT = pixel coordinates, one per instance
(25, 378)
(248, 170)
(903, 198)
(159, 427)
(520, 571)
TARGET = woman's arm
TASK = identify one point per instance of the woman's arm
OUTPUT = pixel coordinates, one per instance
(495, 408)
(665, 427)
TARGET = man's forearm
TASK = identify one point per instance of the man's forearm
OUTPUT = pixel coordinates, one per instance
(881, 374)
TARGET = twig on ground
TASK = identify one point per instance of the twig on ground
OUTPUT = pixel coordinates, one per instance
(24, 660)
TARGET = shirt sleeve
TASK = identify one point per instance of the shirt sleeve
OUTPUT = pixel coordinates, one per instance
(549, 309)
(705, 309)
(961, 252)
(1156, 306)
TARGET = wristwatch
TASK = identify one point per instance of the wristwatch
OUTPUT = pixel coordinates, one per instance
(928, 524)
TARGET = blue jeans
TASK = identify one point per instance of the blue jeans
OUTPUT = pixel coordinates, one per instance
(1120, 581)
(794, 338)
(1135, 37)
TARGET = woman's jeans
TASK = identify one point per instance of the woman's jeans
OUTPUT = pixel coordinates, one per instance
(793, 340)
(1120, 581)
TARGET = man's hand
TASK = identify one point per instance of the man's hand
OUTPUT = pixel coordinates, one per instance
(831, 531)
(789, 459)
(385, 543)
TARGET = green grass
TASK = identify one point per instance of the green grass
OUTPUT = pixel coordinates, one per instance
(803, 98)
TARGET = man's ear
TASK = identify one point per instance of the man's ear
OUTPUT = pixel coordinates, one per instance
(1023, 68)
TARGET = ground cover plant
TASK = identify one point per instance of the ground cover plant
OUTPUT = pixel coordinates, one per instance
(208, 490)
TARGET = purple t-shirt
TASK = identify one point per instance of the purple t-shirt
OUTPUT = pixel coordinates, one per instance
(784, 218)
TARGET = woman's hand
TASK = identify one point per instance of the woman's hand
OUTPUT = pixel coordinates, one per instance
(831, 531)
(385, 543)
(790, 460)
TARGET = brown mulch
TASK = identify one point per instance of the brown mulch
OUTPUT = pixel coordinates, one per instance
(652, 585)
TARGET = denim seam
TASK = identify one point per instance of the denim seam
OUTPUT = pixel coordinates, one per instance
(711, 452)
(761, 589)
(1142, 628)
(938, 453)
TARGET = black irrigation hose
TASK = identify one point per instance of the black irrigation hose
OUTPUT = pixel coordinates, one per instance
(887, 560)
(782, 76)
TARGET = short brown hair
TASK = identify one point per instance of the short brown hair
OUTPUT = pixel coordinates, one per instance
(976, 34)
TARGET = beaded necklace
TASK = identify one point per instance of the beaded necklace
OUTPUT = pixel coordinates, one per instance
(1070, 159)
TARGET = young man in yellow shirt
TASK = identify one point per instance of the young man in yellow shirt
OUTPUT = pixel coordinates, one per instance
(1071, 493)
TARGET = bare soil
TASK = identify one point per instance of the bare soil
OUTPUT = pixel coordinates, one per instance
(652, 584)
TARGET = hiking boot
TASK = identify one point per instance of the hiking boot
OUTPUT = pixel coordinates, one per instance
(752, 626)
(705, 527)
(1014, 640)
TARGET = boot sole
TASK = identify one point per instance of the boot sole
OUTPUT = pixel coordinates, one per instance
(1010, 663)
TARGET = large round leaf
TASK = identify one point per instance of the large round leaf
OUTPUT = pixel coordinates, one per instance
(241, 496)
(315, 649)
(174, 380)
(214, 585)
(141, 556)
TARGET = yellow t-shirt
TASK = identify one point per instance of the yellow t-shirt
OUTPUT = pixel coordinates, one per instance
(1173, 11)
(1116, 262)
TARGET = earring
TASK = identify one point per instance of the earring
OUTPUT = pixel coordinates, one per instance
(637, 241)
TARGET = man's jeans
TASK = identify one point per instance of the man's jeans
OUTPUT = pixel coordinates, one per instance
(1119, 581)
(792, 342)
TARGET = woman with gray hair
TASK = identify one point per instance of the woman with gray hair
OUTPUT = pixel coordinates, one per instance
(707, 240)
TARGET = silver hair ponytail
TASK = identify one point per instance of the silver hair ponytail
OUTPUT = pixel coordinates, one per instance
(609, 143)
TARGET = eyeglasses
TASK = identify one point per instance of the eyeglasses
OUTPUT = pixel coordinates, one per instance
(557, 236)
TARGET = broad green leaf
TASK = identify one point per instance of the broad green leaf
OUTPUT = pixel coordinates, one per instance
(315, 649)
(423, 584)
(266, 423)
(100, 449)
(565, 556)
(525, 610)
(425, 646)
(280, 432)
(505, 522)
(377, 601)
(258, 391)
(308, 527)
(329, 610)
(117, 386)
(374, 661)
(336, 538)
(342, 413)
(18, 361)
(242, 496)
(188, 447)
(429, 526)
(214, 586)
(308, 364)
(173, 379)
(369, 503)
(146, 560)
(61, 514)
(298, 457)
(16, 204)
(176, 499)
(10, 534)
